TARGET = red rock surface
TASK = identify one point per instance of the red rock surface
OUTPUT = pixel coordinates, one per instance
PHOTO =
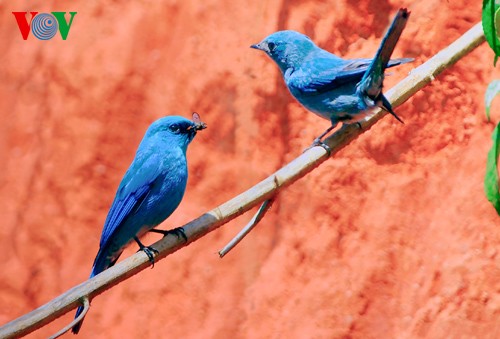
(392, 238)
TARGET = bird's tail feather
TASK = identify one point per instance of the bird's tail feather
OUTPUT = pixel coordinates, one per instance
(386, 105)
(371, 84)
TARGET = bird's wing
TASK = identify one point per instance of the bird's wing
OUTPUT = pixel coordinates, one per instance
(133, 190)
(322, 74)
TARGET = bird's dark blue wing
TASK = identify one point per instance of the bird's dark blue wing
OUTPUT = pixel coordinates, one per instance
(323, 74)
(134, 188)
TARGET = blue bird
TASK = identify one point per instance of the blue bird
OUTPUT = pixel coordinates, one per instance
(334, 88)
(150, 191)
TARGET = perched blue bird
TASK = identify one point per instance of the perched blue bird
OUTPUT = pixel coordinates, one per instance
(150, 191)
(334, 88)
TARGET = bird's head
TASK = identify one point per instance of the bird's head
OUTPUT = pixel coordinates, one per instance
(176, 129)
(287, 48)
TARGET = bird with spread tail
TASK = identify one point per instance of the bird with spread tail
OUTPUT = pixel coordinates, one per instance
(336, 89)
(150, 191)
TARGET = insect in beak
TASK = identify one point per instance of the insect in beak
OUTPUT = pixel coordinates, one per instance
(198, 124)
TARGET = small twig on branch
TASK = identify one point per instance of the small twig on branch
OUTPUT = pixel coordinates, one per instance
(266, 205)
(264, 190)
(86, 307)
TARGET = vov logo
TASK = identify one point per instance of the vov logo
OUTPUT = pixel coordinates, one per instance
(44, 25)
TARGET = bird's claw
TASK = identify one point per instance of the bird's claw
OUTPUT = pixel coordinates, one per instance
(178, 232)
(150, 252)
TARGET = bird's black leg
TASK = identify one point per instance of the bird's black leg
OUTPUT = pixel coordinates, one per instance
(178, 232)
(317, 141)
(150, 251)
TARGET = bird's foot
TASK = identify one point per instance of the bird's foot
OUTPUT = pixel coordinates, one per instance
(178, 232)
(320, 143)
(319, 140)
(150, 251)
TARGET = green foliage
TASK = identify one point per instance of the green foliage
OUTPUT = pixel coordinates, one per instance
(491, 178)
(491, 25)
(491, 28)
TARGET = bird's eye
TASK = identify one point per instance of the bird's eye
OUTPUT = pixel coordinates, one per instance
(271, 46)
(174, 128)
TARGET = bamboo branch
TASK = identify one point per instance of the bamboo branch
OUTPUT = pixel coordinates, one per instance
(264, 190)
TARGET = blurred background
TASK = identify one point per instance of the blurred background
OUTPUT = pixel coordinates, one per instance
(393, 237)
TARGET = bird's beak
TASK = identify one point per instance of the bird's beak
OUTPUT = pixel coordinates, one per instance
(193, 130)
(262, 46)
